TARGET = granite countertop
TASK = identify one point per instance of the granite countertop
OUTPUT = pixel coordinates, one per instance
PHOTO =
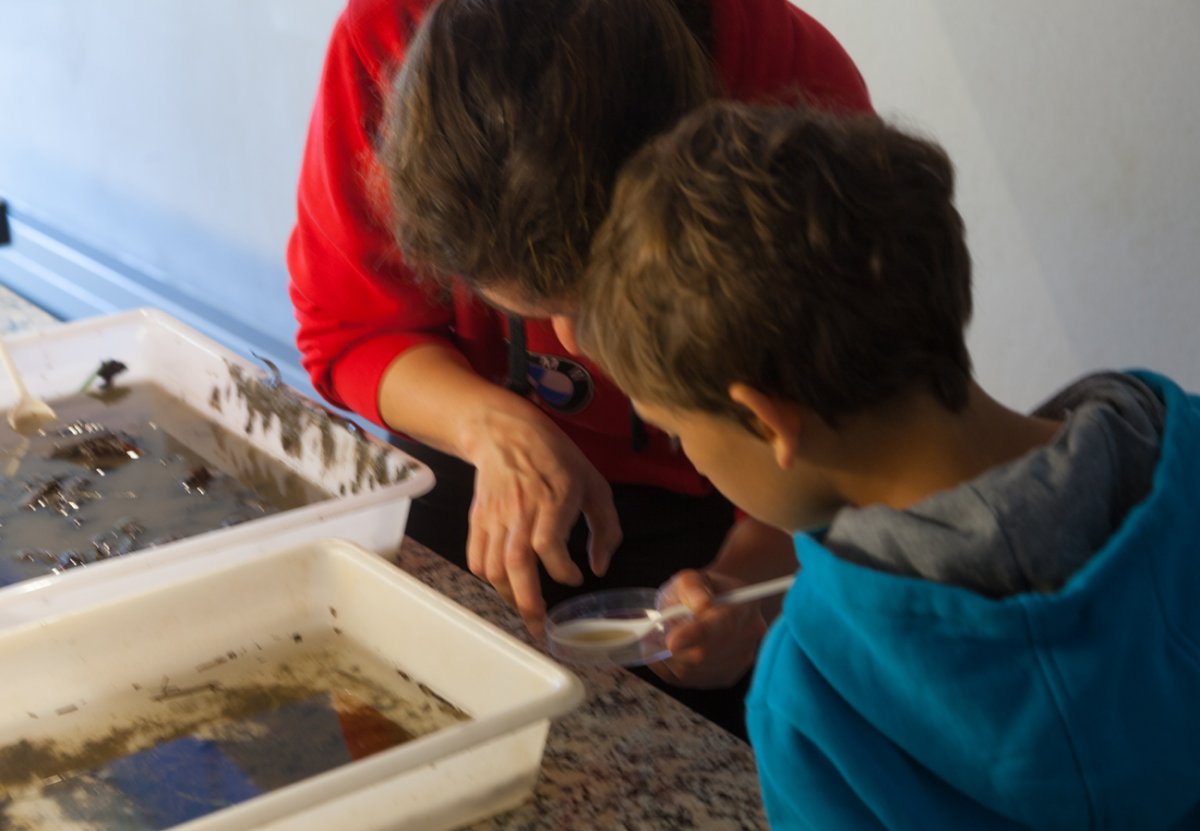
(629, 758)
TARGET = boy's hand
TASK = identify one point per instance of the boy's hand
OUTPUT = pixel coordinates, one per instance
(720, 644)
(531, 485)
(716, 647)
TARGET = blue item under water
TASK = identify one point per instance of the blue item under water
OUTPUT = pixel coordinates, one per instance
(193, 776)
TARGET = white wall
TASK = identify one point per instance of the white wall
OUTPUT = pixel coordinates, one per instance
(1075, 126)
(167, 133)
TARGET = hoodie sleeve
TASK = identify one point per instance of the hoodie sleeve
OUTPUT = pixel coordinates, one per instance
(357, 304)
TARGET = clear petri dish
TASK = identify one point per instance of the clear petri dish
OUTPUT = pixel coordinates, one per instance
(577, 633)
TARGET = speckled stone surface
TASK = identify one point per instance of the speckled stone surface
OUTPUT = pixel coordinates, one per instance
(629, 758)
(18, 314)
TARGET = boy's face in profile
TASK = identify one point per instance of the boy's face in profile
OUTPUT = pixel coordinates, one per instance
(746, 467)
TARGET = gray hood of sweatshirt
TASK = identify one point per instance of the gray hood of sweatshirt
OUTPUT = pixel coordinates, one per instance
(1030, 524)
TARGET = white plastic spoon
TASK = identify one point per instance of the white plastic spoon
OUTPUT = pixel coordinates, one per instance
(29, 414)
(607, 634)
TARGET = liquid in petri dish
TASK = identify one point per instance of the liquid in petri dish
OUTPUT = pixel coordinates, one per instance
(596, 633)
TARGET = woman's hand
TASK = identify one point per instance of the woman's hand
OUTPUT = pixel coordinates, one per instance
(531, 485)
(531, 481)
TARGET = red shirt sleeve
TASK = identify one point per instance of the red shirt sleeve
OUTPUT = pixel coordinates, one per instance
(357, 305)
(770, 50)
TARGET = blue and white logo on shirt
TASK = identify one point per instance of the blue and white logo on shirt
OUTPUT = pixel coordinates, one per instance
(560, 382)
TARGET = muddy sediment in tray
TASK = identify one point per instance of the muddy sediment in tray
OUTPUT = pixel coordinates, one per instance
(268, 400)
(247, 721)
(125, 469)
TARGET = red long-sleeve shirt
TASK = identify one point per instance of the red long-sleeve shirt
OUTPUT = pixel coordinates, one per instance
(359, 308)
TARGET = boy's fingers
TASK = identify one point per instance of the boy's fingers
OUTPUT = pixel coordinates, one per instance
(686, 636)
(705, 664)
(715, 629)
(693, 589)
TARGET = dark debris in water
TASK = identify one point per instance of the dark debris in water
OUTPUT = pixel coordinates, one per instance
(53, 562)
(110, 481)
(123, 538)
(198, 479)
(95, 447)
(106, 372)
(109, 370)
(60, 494)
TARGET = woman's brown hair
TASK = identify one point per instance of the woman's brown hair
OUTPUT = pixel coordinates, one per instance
(509, 120)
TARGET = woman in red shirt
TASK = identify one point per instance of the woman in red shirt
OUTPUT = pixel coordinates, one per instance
(484, 135)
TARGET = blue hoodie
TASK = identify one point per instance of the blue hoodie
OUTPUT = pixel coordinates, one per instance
(884, 699)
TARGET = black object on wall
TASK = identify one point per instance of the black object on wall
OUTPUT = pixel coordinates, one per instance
(5, 231)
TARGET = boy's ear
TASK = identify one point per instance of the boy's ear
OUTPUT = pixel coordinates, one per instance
(779, 423)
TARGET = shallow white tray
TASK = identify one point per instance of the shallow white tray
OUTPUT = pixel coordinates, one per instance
(94, 638)
(373, 483)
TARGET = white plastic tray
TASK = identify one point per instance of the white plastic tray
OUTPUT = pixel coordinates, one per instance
(95, 637)
(373, 483)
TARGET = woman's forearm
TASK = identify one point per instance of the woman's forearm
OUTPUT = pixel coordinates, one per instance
(432, 394)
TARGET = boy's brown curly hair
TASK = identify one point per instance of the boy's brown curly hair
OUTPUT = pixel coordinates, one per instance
(816, 258)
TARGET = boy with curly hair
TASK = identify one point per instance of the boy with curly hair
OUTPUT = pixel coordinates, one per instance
(994, 626)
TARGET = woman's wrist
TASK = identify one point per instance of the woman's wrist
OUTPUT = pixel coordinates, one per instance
(493, 416)
(457, 410)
